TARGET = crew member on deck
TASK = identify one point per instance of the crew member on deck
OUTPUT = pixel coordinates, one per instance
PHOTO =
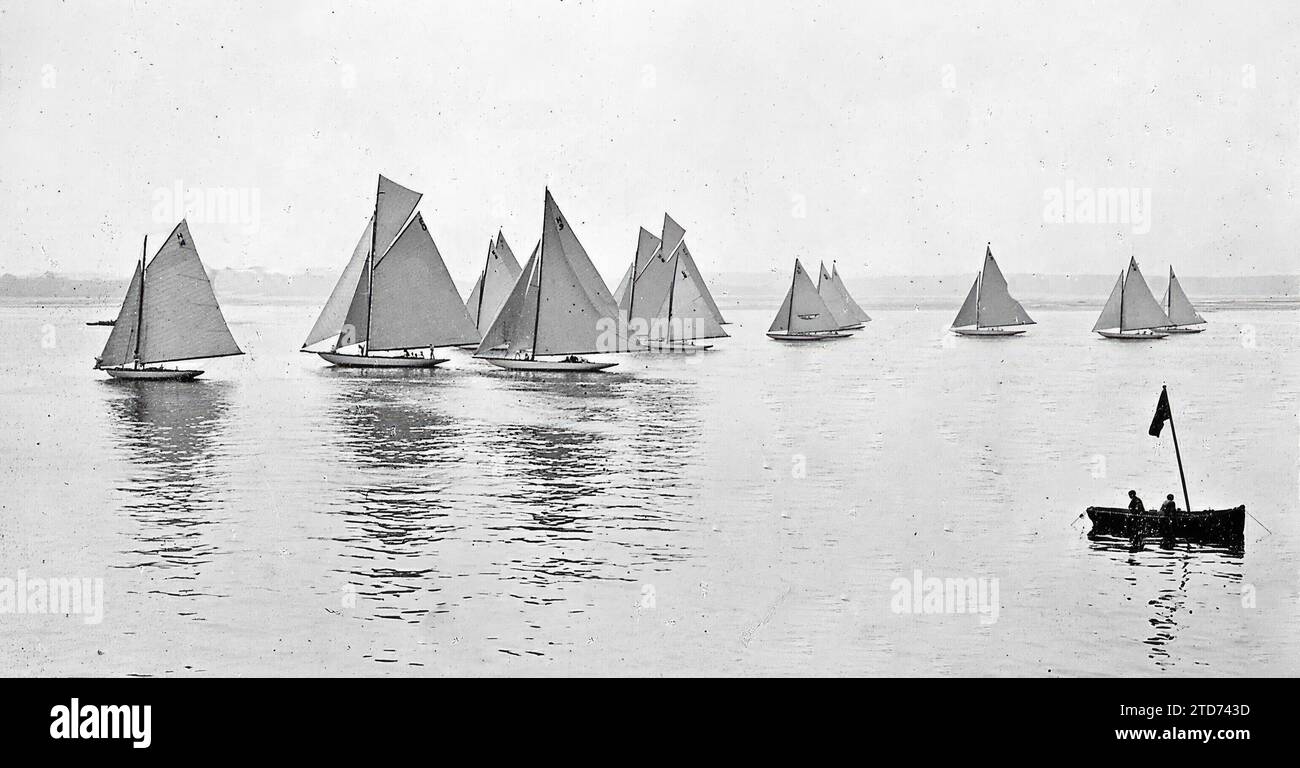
(1134, 503)
(1169, 507)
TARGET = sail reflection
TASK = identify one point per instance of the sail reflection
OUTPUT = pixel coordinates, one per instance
(396, 512)
(168, 432)
(609, 467)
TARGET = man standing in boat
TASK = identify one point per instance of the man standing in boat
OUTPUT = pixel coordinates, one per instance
(1169, 507)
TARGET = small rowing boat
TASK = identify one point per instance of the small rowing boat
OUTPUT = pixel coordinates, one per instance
(1202, 525)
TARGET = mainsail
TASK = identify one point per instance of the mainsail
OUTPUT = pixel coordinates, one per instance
(395, 292)
(996, 307)
(842, 306)
(1139, 309)
(1177, 305)
(803, 310)
(1131, 307)
(499, 275)
(856, 314)
(666, 298)
(688, 310)
(178, 317)
(559, 305)
(414, 302)
(647, 246)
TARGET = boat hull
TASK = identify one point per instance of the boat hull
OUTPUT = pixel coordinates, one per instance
(152, 374)
(1208, 526)
(1181, 329)
(1133, 335)
(854, 327)
(548, 366)
(672, 346)
(379, 361)
(986, 332)
(814, 336)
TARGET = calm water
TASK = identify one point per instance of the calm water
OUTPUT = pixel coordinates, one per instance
(741, 512)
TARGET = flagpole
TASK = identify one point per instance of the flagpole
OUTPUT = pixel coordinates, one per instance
(1177, 454)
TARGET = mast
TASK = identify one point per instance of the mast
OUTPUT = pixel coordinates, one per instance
(1123, 278)
(139, 315)
(631, 285)
(370, 269)
(671, 290)
(1169, 292)
(482, 287)
(1177, 454)
(541, 256)
(979, 288)
(789, 315)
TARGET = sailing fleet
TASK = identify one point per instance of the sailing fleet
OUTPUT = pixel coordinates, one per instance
(395, 303)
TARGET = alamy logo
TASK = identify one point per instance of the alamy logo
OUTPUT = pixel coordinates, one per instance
(66, 596)
(936, 595)
(102, 721)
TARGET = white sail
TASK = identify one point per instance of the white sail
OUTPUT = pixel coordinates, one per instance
(1140, 309)
(182, 320)
(803, 311)
(856, 315)
(588, 276)
(647, 246)
(1177, 305)
(834, 301)
(512, 328)
(968, 314)
(120, 348)
(672, 237)
(996, 307)
(576, 313)
(393, 206)
(500, 273)
(686, 312)
(1110, 313)
(620, 293)
(706, 297)
(649, 295)
(414, 302)
(842, 306)
(335, 311)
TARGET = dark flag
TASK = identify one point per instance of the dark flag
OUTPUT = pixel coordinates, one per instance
(1162, 414)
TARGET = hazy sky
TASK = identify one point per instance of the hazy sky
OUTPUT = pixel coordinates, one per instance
(896, 138)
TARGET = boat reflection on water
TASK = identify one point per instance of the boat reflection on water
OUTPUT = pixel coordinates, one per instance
(1174, 575)
(610, 479)
(168, 432)
(401, 455)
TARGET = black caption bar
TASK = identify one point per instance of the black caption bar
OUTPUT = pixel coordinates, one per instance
(306, 717)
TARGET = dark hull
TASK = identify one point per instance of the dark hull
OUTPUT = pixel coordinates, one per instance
(1209, 525)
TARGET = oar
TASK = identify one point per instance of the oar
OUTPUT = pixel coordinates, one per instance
(1256, 519)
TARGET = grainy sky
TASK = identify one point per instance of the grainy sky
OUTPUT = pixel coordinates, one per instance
(894, 137)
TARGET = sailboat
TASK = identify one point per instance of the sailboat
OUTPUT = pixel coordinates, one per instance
(169, 314)
(832, 290)
(989, 309)
(664, 297)
(558, 306)
(1180, 309)
(803, 315)
(1131, 312)
(395, 294)
(499, 274)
